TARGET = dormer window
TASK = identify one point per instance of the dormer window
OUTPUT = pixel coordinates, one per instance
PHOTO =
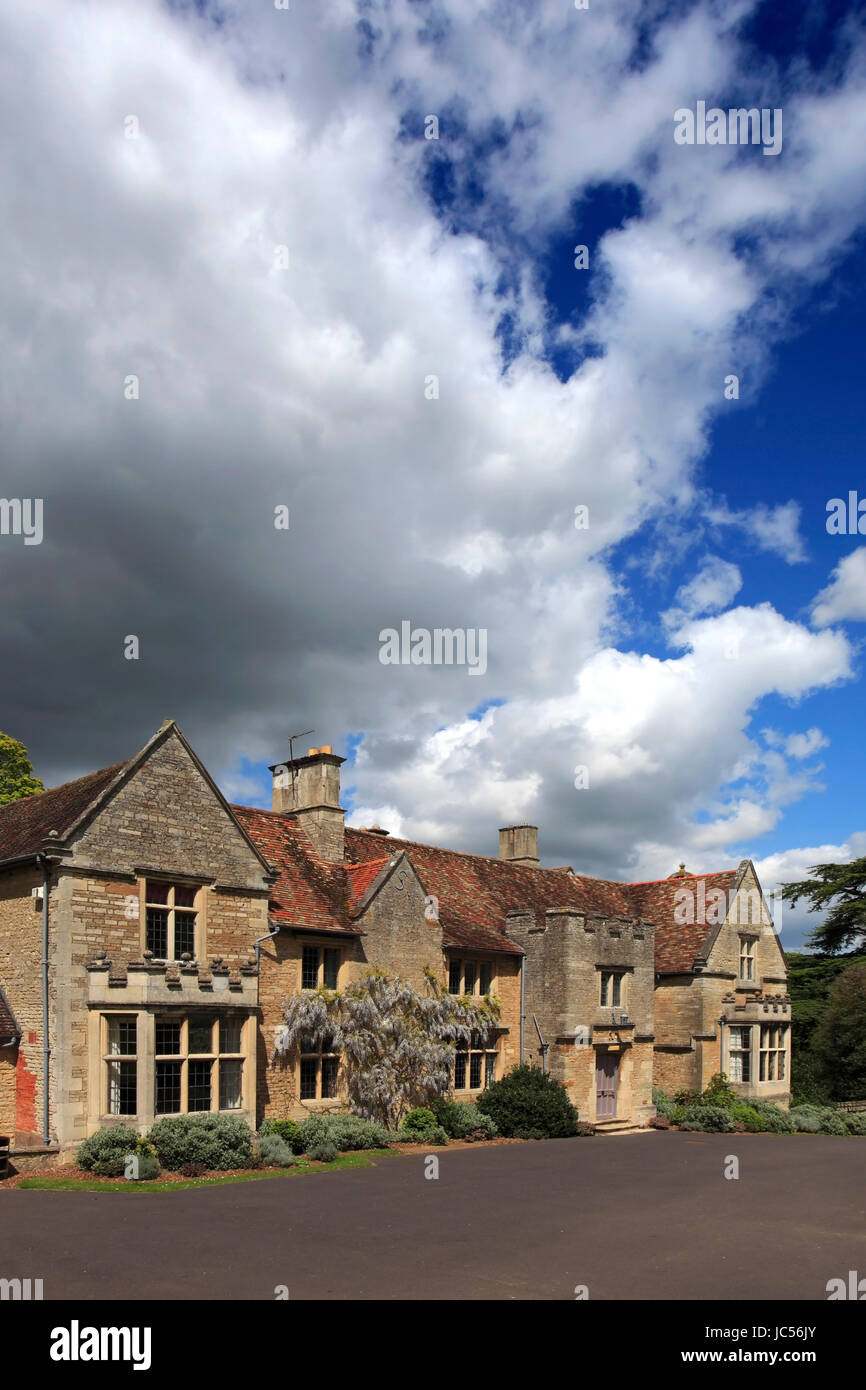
(170, 919)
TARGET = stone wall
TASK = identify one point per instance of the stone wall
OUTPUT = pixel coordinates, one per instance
(566, 952)
(168, 817)
(688, 1007)
(21, 974)
(8, 1089)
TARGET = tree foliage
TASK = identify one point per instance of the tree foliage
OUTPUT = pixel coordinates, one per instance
(810, 980)
(842, 889)
(16, 771)
(839, 1041)
(396, 1043)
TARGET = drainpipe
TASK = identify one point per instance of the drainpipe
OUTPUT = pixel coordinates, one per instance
(267, 936)
(42, 861)
(522, 1002)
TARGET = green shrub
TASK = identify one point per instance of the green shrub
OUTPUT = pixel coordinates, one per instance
(677, 1114)
(854, 1120)
(744, 1114)
(148, 1162)
(776, 1120)
(720, 1092)
(274, 1150)
(528, 1099)
(461, 1118)
(713, 1119)
(436, 1136)
(211, 1141)
(288, 1130)
(660, 1097)
(105, 1152)
(323, 1151)
(819, 1119)
(806, 1122)
(420, 1119)
(344, 1132)
(447, 1113)
(832, 1123)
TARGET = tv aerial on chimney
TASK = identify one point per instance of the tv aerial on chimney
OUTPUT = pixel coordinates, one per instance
(292, 774)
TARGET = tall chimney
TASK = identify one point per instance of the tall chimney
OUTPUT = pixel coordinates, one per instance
(519, 844)
(309, 788)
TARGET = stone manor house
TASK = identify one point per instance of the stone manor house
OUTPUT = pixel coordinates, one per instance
(150, 932)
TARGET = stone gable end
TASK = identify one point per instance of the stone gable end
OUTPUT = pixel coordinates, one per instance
(166, 816)
(399, 938)
(746, 913)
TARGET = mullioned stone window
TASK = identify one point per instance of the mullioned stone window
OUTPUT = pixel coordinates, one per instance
(170, 919)
(470, 976)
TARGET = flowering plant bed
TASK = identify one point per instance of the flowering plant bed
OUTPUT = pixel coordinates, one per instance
(69, 1177)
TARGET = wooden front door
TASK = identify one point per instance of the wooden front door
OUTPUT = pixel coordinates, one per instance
(606, 1066)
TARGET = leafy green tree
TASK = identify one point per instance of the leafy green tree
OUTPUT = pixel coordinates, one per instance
(842, 889)
(16, 771)
(811, 976)
(839, 1041)
(396, 1044)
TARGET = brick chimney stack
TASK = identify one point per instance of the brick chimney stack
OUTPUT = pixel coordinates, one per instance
(519, 844)
(309, 789)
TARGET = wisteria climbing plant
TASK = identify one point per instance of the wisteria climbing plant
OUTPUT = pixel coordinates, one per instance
(396, 1043)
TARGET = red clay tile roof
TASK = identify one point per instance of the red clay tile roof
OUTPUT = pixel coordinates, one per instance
(360, 876)
(9, 1029)
(308, 892)
(677, 943)
(475, 892)
(24, 824)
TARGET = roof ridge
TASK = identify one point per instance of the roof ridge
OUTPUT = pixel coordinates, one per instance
(490, 858)
(675, 878)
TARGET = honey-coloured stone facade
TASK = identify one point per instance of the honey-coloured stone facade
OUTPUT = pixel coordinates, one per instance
(597, 981)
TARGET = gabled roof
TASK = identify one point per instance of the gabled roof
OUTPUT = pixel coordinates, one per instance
(475, 892)
(25, 824)
(677, 943)
(9, 1030)
(308, 892)
(360, 877)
